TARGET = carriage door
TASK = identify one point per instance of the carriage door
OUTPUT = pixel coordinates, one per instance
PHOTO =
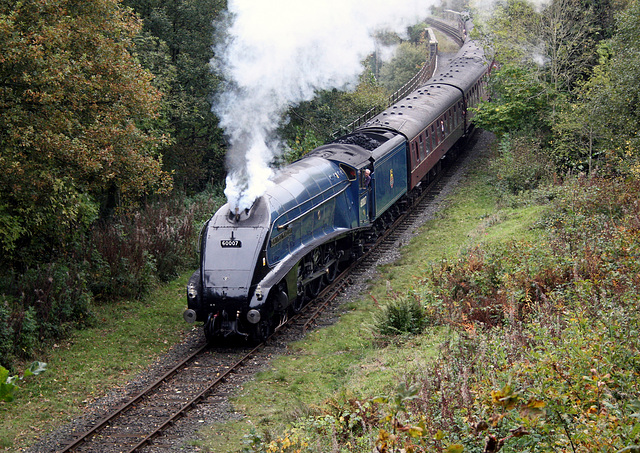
(365, 196)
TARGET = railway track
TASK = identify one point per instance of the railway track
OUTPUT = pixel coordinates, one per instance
(203, 376)
(453, 31)
(208, 374)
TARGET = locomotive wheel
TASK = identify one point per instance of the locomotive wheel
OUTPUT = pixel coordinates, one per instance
(312, 263)
(331, 264)
(298, 303)
(313, 288)
(264, 329)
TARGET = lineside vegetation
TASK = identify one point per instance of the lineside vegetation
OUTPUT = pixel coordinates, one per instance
(539, 351)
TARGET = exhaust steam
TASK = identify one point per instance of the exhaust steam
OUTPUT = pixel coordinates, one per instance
(277, 53)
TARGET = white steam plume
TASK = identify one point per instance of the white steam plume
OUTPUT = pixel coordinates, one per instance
(276, 54)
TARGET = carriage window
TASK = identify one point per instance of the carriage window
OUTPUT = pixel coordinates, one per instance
(427, 142)
(415, 151)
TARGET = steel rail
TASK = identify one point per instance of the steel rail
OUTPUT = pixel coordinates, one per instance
(324, 298)
(447, 29)
(196, 399)
(123, 407)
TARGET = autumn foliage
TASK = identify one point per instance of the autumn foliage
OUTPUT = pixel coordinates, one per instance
(74, 129)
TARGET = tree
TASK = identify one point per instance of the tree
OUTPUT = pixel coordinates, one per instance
(613, 95)
(405, 64)
(578, 126)
(569, 33)
(176, 46)
(74, 124)
(509, 34)
(560, 38)
(330, 112)
(520, 101)
(545, 56)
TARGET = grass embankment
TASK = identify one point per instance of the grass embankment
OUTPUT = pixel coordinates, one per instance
(532, 343)
(127, 338)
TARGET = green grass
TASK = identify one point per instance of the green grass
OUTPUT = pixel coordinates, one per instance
(128, 337)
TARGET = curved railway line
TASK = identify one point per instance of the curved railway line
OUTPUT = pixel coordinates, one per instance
(205, 375)
(455, 32)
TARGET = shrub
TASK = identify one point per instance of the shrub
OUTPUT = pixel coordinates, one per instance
(41, 305)
(26, 332)
(400, 315)
(133, 251)
(520, 165)
(290, 441)
(6, 333)
(559, 371)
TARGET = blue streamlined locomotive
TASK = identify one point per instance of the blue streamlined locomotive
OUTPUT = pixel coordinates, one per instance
(264, 262)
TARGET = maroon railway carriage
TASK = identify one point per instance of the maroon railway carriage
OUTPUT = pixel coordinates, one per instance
(435, 116)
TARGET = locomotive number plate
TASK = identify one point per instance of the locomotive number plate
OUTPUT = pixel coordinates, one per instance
(230, 243)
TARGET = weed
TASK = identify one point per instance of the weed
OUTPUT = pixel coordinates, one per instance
(543, 353)
(40, 305)
(290, 441)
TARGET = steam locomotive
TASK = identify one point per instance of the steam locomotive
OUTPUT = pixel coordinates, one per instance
(260, 264)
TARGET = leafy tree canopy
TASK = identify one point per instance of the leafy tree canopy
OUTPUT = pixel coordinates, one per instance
(601, 120)
(545, 54)
(176, 45)
(405, 64)
(520, 101)
(610, 100)
(74, 118)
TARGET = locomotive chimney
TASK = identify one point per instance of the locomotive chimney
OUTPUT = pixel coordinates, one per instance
(237, 214)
